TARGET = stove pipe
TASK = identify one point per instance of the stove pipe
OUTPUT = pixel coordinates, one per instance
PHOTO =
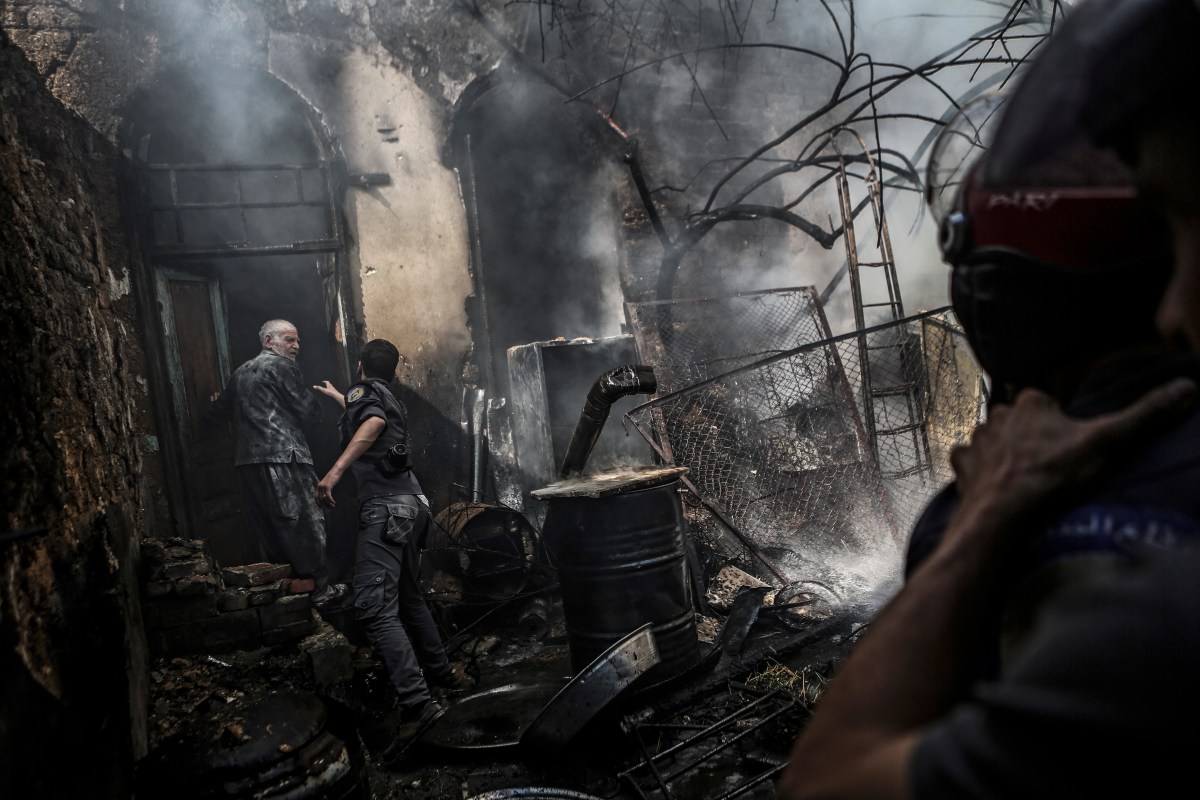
(608, 389)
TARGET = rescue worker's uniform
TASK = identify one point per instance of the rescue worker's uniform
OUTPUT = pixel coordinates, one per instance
(270, 402)
(393, 521)
(1146, 504)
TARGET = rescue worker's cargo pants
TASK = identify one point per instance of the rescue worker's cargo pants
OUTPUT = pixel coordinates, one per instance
(387, 596)
(281, 501)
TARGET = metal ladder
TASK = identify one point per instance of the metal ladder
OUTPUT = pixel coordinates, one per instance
(890, 362)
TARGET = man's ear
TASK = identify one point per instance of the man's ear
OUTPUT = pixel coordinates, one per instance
(358, 368)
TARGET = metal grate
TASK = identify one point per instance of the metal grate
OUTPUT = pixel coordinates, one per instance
(777, 441)
(706, 750)
(689, 341)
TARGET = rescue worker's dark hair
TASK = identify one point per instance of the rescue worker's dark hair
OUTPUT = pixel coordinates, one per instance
(379, 359)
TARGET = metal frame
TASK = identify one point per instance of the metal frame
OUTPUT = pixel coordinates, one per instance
(894, 305)
(654, 405)
(776, 702)
(241, 248)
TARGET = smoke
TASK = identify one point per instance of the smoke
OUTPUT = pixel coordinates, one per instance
(599, 244)
(215, 93)
(704, 86)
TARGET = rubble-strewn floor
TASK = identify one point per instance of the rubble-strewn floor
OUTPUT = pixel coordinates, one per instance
(761, 693)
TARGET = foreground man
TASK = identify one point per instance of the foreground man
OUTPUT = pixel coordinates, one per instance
(270, 403)
(1102, 699)
(393, 521)
(1061, 296)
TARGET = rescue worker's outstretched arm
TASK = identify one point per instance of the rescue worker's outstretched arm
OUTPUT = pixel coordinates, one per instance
(326, 388)
(220, 409)
(908, 669)
(362, 440)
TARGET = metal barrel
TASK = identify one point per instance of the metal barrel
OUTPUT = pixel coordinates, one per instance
(621, 564)
(488, 546)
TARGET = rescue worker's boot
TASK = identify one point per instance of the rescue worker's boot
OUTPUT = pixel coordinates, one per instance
(413, 723)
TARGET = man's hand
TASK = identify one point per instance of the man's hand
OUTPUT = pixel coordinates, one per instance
(1030, 454)
(910, 666)
(326, 388)
(325, 488)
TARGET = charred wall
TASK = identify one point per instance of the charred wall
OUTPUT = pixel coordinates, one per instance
(361, 66)
(72, 715)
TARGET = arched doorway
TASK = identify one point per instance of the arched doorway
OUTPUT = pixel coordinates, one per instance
(236, 217)
(541, 180)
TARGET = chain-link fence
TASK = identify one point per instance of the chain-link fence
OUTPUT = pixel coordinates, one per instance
(818, 465)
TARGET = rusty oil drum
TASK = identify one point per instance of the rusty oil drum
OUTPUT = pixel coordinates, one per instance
(621, 564)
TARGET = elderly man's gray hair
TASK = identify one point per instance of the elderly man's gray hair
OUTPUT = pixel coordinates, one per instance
(272, 327)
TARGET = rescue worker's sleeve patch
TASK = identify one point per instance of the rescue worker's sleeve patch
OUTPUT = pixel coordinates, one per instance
(355, 394)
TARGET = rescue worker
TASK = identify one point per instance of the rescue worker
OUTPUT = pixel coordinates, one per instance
(270, 404)
(394, 518)
(1056, 278)
(1100, 701)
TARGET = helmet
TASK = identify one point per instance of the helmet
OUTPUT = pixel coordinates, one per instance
(1107, 67)
(1052, 266)
(957, 151)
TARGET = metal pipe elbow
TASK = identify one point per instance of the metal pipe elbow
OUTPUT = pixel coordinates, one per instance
(610, 387)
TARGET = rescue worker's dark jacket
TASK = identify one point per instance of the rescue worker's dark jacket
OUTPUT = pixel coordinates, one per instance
(269, 402)
(1146, 503)
(374, 472)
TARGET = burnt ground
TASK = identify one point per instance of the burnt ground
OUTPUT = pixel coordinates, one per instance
(760, 695)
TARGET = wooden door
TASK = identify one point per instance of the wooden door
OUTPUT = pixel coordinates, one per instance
(195, 325)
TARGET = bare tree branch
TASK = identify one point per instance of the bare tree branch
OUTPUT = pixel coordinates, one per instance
(857, 86)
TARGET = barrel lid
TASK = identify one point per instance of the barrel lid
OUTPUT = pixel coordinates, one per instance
(610, 482)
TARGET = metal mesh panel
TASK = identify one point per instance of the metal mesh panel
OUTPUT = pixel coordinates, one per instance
(814, 461)
(688, 341)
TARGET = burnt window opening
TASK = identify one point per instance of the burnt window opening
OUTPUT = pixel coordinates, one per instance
(254, 210)
(234, 189)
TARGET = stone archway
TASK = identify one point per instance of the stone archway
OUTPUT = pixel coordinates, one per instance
(235, 212)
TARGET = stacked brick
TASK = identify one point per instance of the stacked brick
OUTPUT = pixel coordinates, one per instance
(190, 605)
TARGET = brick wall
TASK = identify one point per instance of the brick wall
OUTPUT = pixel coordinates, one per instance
(72, 654)
(192, 606)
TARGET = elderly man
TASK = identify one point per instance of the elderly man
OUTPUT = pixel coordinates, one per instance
(269, 403)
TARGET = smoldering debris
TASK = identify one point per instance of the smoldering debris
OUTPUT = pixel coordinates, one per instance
(747, 707)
